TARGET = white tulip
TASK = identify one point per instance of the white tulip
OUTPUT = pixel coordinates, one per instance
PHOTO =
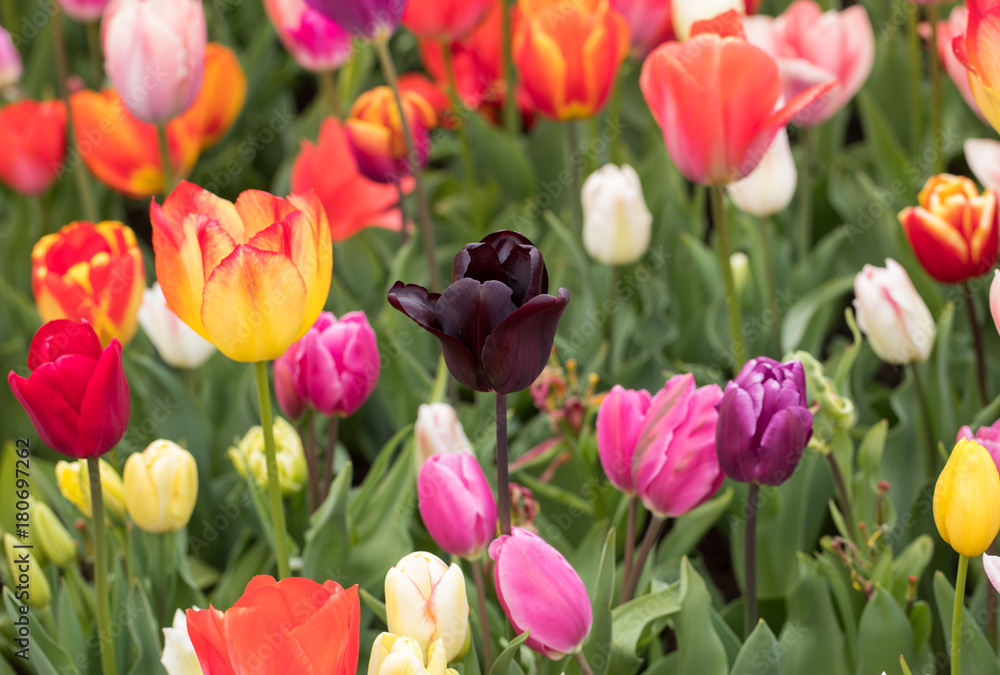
(438, 430)
(179, 657)
(616, 221)
(686, 12)
(892, 314)
(176, 342)
(770, 187)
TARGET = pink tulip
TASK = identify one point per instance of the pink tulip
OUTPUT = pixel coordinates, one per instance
(541, 592)
(983, 156)
(947, 31)
(333, 368)
(84, 11)
(676, 468)
(11, 68)
(995, 305)
(154, 54)
(456, 504)
(650, 21)
(988, 437)
(316, 42)
(619, 421)
(813, 46)
(991, 565)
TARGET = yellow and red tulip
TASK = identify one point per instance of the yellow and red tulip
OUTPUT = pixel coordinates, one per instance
(249, 277)
(93, 273)
(977, 51)
(375, 133)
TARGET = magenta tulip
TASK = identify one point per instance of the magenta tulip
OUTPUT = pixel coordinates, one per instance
(76, 395)
(370, 19)
(456, 504)
(988, 437)
(619, 420)
(317, 43)
(541, 592)
(333, 368)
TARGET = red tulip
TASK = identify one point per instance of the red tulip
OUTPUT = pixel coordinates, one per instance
(717, 101)
(291, 626)
(32, 144)
(76, 395)
(444, 19)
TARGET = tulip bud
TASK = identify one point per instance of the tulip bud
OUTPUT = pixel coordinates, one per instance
(836, 412)
(770, 187)
(162, 37)
(248, 456)
(26, 574)
(619, 420)
(393, 655)
(892, 315)
(457, 504)
(55, 542)
(967, 499)
(373, 20)
(316, 43)
(616, 221)
(425, 600)
(161, 486)
(988, 437)
(11, 68)
(73, 480)
(541, 592)
(179, 656)
(995, 299)
(84, 11)
(686, 12)
(375, 133)
(991, 565)
(739, 263)
(438, 431)
(176, 342)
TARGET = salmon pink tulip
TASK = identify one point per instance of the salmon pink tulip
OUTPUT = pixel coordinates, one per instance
(976, 50)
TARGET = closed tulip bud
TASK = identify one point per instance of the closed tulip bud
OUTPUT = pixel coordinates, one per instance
(26, 574)
(375, 133)
(619, 420)
(457, 504)
(11, 68)
(616, 221)
(954, 229)
(986, 436)
(995, 299)
(438, 430)
(165, 37)
(676, 467)
(394, 655)
(93, 273)
(84, 11)
(893, 316)
(540, 592)
(739, 263)
(32, 144)
(314, 41)
(179, 656)
(74, 484)
(757, 443)
(425, 600)
(967, 499)
(176, 342)
(770, 187)
(55, 542)
(686, 12)
(161, 486)
(373, 20)
(248, 456)
(836, 412)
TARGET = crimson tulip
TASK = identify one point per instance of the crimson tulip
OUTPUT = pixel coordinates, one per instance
(32, 144)
(444, 19)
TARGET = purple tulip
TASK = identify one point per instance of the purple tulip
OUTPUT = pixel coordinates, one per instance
(370, 19)
(988, 437)
(541, 592)
(764, 422)
(496, 322)
(619, 420)
(333, 368)
(456, 504)
(675, 466)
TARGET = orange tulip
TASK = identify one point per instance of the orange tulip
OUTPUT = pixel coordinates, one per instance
(977, 51)
(32, 144)
(375, 132)
(568, 54)
(223, 93)
(250, 278)
(93, 273)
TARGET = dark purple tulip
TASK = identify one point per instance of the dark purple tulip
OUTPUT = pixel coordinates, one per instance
(764, 422)
(370, 19)
(495, 322)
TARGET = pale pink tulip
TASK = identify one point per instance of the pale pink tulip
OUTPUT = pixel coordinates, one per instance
(314, 41)
(84, 11)
(947, 31)
(991, 564)
(983, 156)
(619, 421)
(457, 504)
(650, 21)
(995, 305)
(11, 68)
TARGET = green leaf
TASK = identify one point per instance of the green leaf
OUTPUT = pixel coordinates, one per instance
(328, 539)
(629, 620)
(922, 623)
(759, 654)
(699, 647)
(142, 626)
(504, 663)
(913, 560)
(811, 634)
(359, 500)
(977, 657)
(885, 635)
(43, 652)
(688, 530)
(597, 650)
(799, 317)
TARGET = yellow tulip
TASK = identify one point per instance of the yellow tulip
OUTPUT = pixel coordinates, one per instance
(53, 539)
(28, 581)
(967, 499)
(394, 655)
(161, 486)
(74, 484)
(248, 456)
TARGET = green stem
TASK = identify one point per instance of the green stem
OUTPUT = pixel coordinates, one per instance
(844, 498)
(423, 206)
(403, 234)
(803, 233)
(328, 83)
(503, 480)
(630, 583)
(332, 433)
(750, 558)
(461, 114)
(977, 343)
(772, 284)
(94, 50)
(168, 168)
(937, 96)
(581, 661)
(956, 619)
(273, 484)
(572, 154)
(484, 616)
(511, 119)
(9, 13)
(633, 508)
(732, 299)
(105, 642)
(925, 413)
(916, 100)
(312, 459)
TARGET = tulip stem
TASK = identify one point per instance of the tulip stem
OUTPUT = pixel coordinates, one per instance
(9, 14)
(168, 168)
(461, 114)
(925, 413)
(332, 433)
(630, 583)
(956, 618)
(772, 284)
(511, 121)
(105, 642)
(937, 97)
(328, 83)
(633, 508)
(581, 661)
(503, 480)
(750, 558)
(312, 459)
(572, 155)
(977, 342)
(843, 496)
(484, 616)
(426, 225)
(732, 299)
(273, 484)
(803, 234)
(94, 49)
(84, 188)
(916, 102)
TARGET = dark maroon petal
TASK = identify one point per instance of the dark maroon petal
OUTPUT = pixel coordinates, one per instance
(61, 337)
(54, 419)
(469, 311)
(525, 271)
(105, 409)
(518, 349)
(479, 262)
(504, 241)
(782, 445)
(734, 434)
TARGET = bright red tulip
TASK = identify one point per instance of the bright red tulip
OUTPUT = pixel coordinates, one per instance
(76, 395)
(444, 19)
(717, 101)
(32, 144)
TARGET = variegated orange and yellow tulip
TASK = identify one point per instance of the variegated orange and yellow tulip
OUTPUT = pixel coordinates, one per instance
(250, 277)
(375, 132)
(221, 98)
(977, 51)
(568, 54)
(93, 273)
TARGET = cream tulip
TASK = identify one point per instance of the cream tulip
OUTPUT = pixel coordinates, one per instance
(686, 12)
(161, 487)
(395, 655)
(770, 187)
(892, 315)
(176, 342)
(616, 221)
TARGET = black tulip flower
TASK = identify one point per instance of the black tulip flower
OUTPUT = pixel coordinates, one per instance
(496, 322)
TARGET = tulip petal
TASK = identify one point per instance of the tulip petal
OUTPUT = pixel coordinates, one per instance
(313, 255)
(524, 270)
(244, 629)
(339, 616)
(53, 418)
(258, 210)
(204, 628)
(469, 311)
(983, 155)
(991, 564)
(105, 410)
(479, 262)
(735, 433)
(60, 338)
(782, 444)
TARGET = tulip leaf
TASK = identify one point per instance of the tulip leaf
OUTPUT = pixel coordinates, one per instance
(922, 623)
(328, 539)
(811, 634)
(759, 654)
(44, 653)
(629, 620)
(359, 500)
(885, 635)
(802, 314)
(374, 604)
(889, 154)
(977, 656)
(912, 560)
(691, 528)
(942, 370)
(143, 629)
(504, 663)
(597, 650)
(699, 647)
